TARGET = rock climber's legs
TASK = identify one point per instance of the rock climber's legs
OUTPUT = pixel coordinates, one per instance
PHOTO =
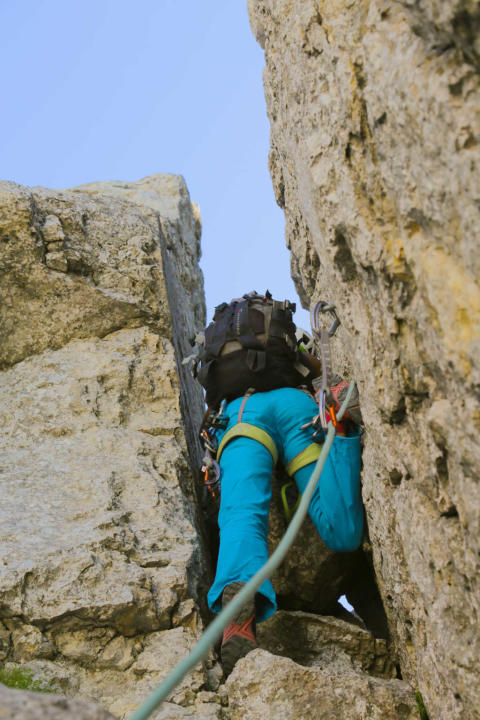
(245, 486)
(246, 464)
(336, 506)
(243, 520)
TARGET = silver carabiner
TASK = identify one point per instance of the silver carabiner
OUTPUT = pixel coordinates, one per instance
(318, 309)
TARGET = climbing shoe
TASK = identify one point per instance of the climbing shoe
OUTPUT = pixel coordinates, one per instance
(239, 635)
(339, 391)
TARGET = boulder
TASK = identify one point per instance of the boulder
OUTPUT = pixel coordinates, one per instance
(267, 687)
(322, 641)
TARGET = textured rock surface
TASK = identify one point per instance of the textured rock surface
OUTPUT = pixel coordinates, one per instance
(375, 130)
(264, 687)
(101, 549)
(312, 577)
(324, 642)
(19, 705)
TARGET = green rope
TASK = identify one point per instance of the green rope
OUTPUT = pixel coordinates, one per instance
(216, 628)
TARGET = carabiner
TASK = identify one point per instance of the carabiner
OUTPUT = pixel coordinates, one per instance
(320, 308)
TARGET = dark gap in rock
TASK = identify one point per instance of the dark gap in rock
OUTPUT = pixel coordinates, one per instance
(456, 88)
(398, 414)
(358, 69)
(419, 31)
(395, 477)
(382, 119)
(418, 217)
(384, 14)
(417, 397)
(466, 26)
(280, 194)
(405, 287)
(212, 531)
(441, 465)
(343, 257)
(362, 593)
(313, 52)
(450, 512)
(442, 48)
(77, 266)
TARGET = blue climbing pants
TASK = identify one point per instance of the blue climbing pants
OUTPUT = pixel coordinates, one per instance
(246, 468)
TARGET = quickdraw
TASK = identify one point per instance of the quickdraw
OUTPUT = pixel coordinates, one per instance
(322, 337)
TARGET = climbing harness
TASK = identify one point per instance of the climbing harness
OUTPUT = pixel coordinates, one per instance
(228, 613)
(305, 457)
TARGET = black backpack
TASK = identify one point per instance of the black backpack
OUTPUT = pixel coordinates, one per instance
(250, 343)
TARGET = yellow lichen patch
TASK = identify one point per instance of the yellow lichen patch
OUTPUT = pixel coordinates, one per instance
(396, 261)
(456, 298)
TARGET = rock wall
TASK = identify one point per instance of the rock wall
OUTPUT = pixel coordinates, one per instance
(102, 551)
(375, 128)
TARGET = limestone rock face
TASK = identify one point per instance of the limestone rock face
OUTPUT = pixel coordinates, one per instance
(374, 157)
(102, 551)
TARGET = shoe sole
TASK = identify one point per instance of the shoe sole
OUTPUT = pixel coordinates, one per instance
(234, 649)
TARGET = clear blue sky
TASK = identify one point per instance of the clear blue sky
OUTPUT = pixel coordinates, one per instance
(115, 89)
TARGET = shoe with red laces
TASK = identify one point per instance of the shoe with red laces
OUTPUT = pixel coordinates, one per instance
(339, 391)
(239, 635)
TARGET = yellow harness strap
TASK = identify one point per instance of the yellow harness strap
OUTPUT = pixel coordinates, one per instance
(307, 456)
(251, 431)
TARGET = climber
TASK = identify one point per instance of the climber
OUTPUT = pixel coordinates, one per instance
(261, 399)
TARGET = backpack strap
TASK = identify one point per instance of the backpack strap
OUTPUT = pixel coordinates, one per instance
(218, 332)
(242, 326)
(281, 324)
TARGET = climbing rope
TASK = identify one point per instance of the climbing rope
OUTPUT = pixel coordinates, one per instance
(216, 628)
